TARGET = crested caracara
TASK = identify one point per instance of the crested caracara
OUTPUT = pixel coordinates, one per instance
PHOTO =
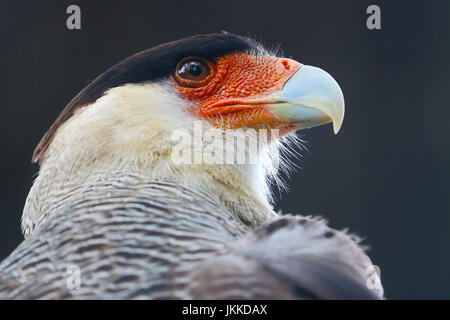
(111, 201)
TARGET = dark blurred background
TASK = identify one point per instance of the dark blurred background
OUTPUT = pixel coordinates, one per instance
(384, 176)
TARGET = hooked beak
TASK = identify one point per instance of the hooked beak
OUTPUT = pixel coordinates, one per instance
(309, 98)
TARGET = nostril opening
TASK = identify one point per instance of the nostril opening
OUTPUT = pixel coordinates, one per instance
(286, 64)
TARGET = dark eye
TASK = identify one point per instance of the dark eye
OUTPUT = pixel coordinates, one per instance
(193, 72)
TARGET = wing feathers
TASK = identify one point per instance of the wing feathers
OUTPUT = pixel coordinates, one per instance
(291, 257)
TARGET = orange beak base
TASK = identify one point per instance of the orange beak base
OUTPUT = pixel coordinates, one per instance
(240, 89)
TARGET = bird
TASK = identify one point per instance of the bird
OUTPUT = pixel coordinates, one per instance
(115, 214)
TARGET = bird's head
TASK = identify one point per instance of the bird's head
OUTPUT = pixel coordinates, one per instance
(126, 118)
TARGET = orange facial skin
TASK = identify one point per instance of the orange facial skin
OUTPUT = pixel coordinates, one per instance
(238, 90)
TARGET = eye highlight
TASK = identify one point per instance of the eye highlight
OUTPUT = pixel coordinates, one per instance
(194, 72)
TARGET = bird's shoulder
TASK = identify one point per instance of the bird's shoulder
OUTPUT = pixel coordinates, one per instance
(290, 257)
